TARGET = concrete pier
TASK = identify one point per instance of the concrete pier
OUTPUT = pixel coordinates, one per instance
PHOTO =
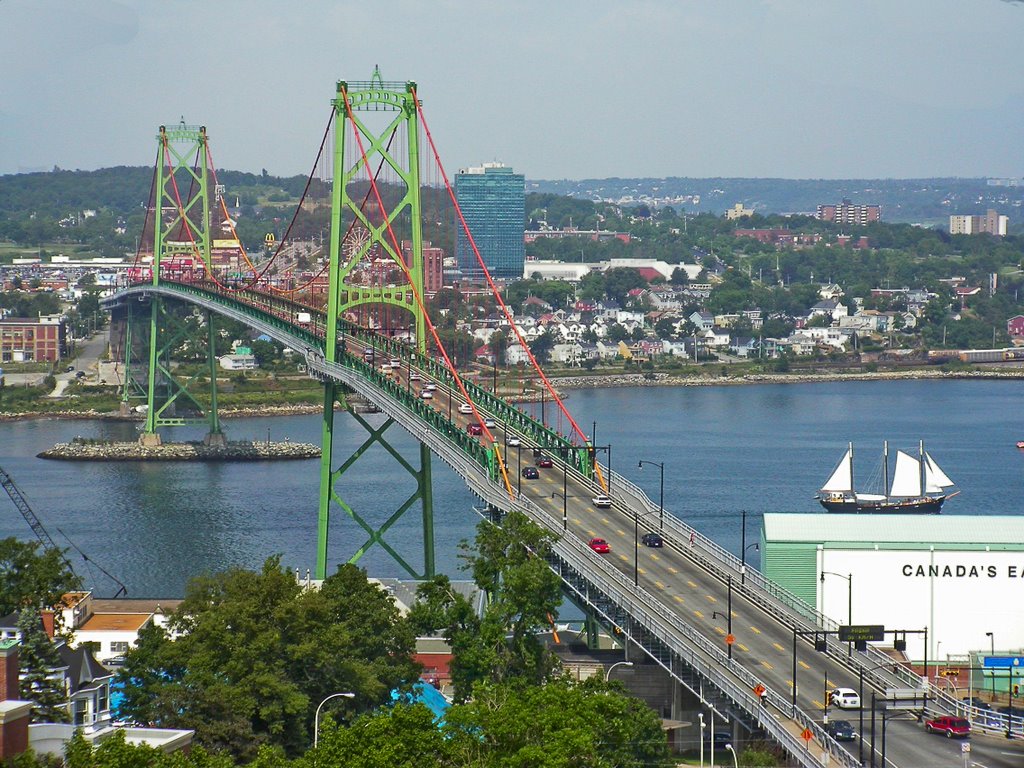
(82, 449)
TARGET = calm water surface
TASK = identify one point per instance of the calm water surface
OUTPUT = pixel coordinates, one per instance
(754, 448)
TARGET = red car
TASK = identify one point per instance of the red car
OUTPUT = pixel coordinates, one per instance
(600, 546)
(951, 726)
(544, 462)
(475, 428)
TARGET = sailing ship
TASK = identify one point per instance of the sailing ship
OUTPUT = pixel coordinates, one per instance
(918, 486)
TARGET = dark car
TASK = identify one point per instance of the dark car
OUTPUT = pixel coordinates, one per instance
(652, 540)
(950, 726)
(721, 739)
(530, 473)
(476, 428)
(545, 462)
(841, 730)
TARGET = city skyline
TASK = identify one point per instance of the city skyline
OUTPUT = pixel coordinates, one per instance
(773, 88)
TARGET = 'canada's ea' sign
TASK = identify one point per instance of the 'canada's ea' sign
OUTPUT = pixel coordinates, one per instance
(961, 571)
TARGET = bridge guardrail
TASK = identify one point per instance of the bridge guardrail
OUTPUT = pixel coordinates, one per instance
(792, 606)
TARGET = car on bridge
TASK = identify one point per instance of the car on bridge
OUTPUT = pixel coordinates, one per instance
(530, 473)
(951, 726)
(602, 501)
(600, 546)
(413, 376)
(430, 386)
(544, 462)
(476, 428)
(974, 701)
(652, 540)
(465, 408)
(426, 394)
(845, 698)
(514, 441)
(841, 730)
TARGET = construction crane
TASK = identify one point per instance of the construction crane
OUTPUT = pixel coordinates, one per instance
(7, 482)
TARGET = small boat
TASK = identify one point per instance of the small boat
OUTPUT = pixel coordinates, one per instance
(1020, 443)
(918, 486)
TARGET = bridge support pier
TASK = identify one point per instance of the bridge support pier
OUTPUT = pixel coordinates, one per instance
(330, 492)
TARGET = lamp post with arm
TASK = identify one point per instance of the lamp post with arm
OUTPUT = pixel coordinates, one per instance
(608, 674)
(316, 717)
(992, 640)
(849, 599)
(661, 490)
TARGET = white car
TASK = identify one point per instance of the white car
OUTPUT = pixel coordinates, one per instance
(430, 386)
(845, 698)
(602, 501)
(396, 363)
(514, 441)
(489, 423)
(426, 394)
(465, 408)
(415, 377)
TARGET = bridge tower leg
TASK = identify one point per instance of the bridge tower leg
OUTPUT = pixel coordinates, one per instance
(182, 239)
(364, 234)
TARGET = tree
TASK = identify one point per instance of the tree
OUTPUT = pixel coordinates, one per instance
(256, 654)
(560, 723)
(617, 333)
(499, 346)
(30, 577)
(541, 346)
(402, 736)
(507, 563)
(38, 658)
(619, 281)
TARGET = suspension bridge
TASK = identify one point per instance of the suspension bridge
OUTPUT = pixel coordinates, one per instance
(734, 643)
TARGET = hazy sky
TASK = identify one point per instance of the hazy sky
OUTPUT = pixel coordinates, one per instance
(557, 89)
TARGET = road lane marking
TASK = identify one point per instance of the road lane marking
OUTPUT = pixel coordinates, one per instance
(829, 683)
(804, 664)
(623, 558)
(678, 599)
(698, 614)
(779, 647)
(789, 683)
(719, 630)
(654, 556)
(742, 647)
(673, 570)
(620, 532)
(657, 583)
(766, 665)
(691, 583)
(755, 630)
(817, 704)
(711, 598)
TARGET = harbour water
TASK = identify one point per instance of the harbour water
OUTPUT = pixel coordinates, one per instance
(756, 448)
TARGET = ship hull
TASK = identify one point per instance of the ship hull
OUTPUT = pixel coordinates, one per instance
(923, 506)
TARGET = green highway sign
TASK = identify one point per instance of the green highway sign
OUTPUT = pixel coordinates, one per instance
(861, 632)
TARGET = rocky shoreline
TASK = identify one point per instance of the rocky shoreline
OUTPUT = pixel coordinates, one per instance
(81, 449)
(667, 380)
(565, 383)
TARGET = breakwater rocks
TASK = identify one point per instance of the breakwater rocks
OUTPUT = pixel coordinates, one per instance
(82, 449)
(667, 380)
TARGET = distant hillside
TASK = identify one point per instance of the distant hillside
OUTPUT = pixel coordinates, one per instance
(914, 201)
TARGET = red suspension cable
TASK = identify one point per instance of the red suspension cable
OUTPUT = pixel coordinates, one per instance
(416, 294)
(487, 274)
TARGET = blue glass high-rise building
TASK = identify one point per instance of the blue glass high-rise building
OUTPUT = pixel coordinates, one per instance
(493, 201)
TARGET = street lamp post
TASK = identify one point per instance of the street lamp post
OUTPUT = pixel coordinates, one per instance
(636, 547)
(728, 617)
(661, 490)
(849, 601)
(735, 760)
(992, 639)
(744, 547)
(565, 519)
(608, 674)
(316, 717)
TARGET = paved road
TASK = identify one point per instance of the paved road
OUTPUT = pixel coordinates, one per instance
(86, 360)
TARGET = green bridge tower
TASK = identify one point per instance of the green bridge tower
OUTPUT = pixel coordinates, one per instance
(370, 115)
(181, 231)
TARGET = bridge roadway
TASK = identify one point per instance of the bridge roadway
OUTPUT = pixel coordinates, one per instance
(676, 610)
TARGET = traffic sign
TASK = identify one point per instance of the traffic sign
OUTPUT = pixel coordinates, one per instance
(965, 747)
(1002, 662)
(807, 735)
(861, 632)
(759, 689)
(730, 639)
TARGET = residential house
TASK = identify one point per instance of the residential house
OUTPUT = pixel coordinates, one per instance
(829, 308)
(1015, 326)
(744, 346)
(703, 320)
(830, 291)
(715, 338)
(566, 354)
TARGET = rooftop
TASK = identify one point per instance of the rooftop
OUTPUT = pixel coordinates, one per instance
(1002, 531)
(115, 622)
